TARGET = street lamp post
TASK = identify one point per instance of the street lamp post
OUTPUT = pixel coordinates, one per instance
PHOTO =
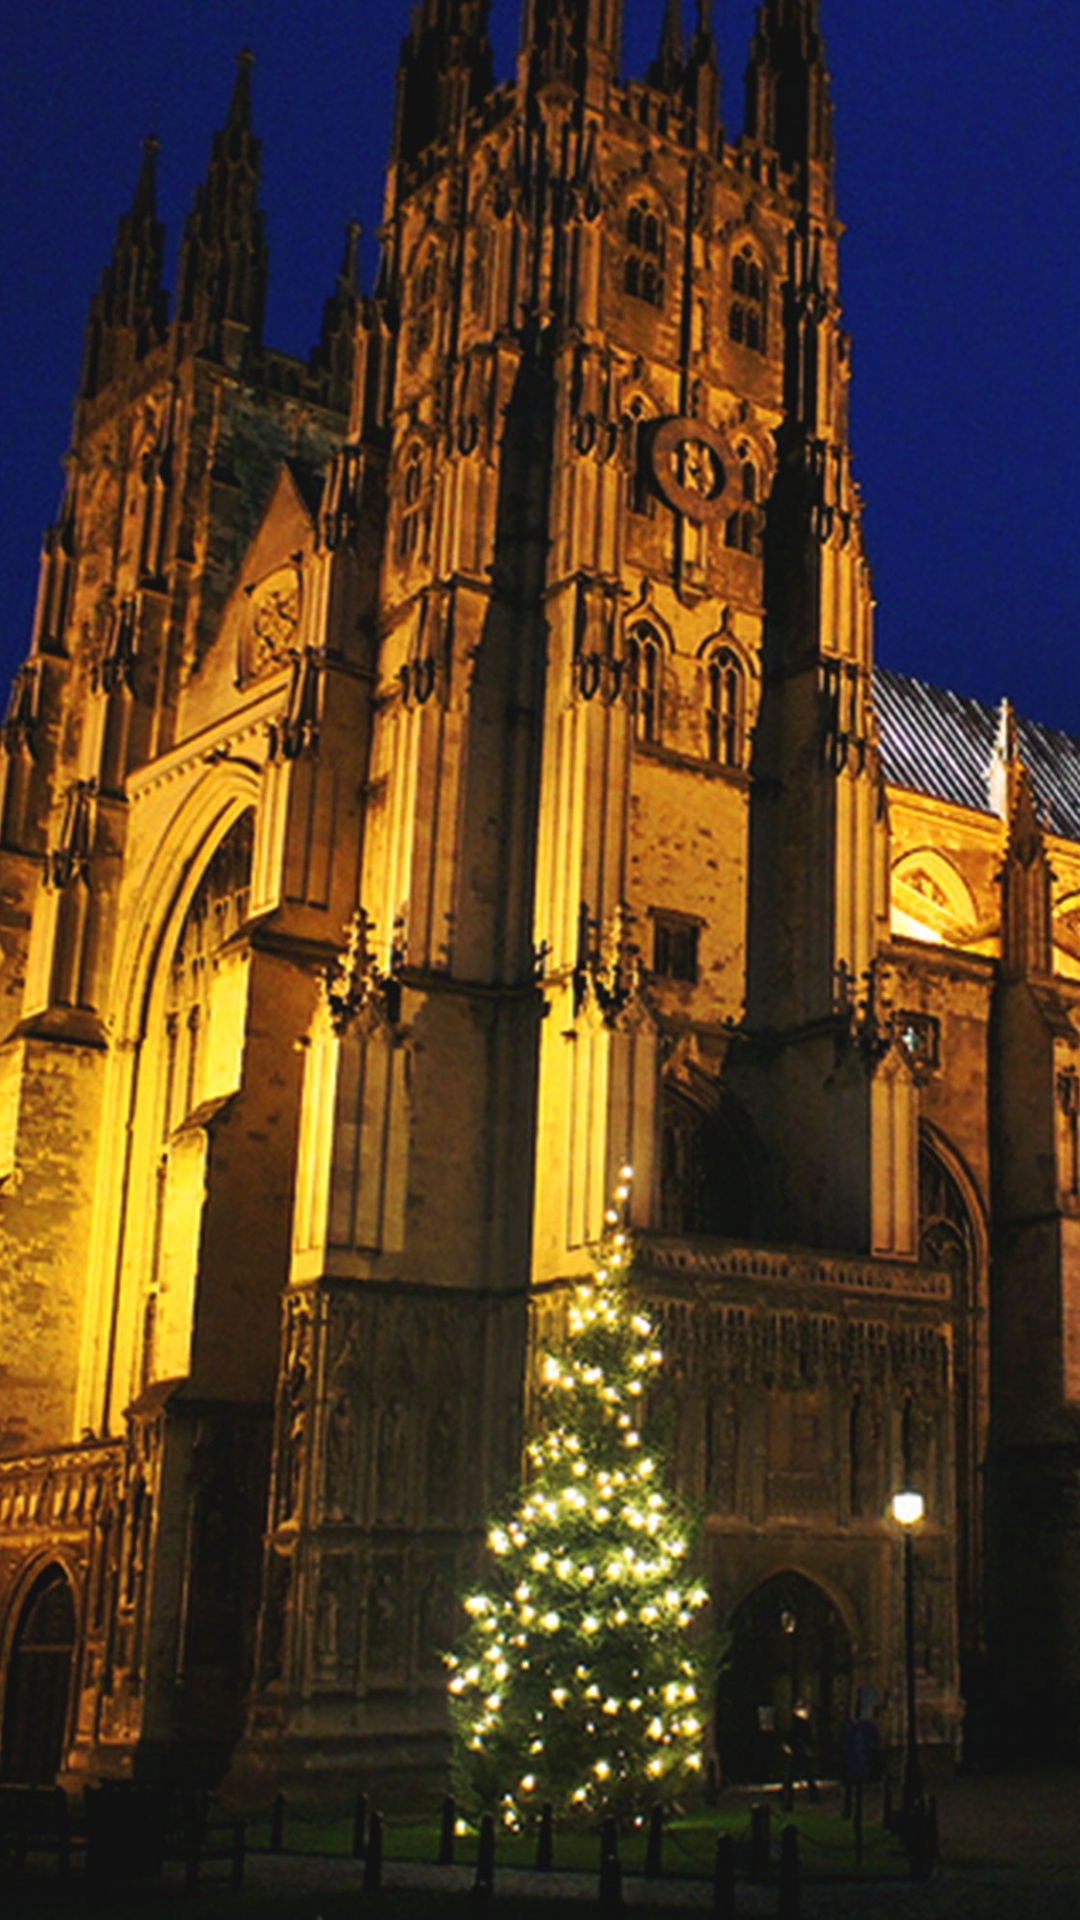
(907, 1509)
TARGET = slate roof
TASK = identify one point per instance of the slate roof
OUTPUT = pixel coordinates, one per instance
(941, 743)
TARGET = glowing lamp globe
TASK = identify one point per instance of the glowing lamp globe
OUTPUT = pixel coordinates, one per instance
(907, 1508)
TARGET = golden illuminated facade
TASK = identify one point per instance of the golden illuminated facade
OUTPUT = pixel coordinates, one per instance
(443, 771)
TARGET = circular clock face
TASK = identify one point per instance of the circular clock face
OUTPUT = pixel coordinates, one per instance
(275, 616)
(688, 467)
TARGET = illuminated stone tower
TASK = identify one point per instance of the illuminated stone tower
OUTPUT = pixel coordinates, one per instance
(444, 771)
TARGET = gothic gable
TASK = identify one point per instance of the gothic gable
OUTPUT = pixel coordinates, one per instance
(262, 623)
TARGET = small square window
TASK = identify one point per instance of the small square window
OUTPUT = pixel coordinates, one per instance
(675, 948)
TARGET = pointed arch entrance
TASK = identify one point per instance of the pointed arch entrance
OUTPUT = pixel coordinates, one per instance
(39, 1682)
(787, 1682)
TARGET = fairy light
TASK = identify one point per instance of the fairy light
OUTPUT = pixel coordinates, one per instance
(573, 1660)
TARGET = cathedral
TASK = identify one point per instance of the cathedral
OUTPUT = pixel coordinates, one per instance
(443, 771)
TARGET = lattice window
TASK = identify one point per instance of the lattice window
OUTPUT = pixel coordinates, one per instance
(675, 947)
(644, 274)
(747, 313)
(644, 663)
(724, 711)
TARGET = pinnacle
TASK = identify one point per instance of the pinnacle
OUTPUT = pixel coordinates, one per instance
(666, 70)
(350, 263)
(240, 105)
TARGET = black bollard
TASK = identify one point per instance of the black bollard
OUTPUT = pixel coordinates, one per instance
(857, 1818)
(236, 1856)
(848, 1791)
(723, 1907)
(759, 1843)
(277, 1824)
(916, 1830)
(611, 1900)
(654, 1845)
(609, 1840)
(373, 1857)
(484, 1884)
(359, 1826)
(447, 1824)
(933, 1833)
(545, 1840)
(789, 1875)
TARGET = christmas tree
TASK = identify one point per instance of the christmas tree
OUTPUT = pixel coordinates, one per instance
(576, 1681)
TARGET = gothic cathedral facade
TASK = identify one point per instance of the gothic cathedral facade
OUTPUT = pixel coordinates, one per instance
(445, 770)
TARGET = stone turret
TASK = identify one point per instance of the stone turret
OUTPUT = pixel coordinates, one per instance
(573, 43)
(445, 71)
(788, 107)
(223, 260)
(127, 314)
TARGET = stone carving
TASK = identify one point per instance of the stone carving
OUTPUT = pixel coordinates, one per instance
(392, 1463)
(357, 986)
(294, 1412)
(387, 1617)
(274, 619)
(335, 1628)
(339, 1482)
(442, 1463)
(437, 1612)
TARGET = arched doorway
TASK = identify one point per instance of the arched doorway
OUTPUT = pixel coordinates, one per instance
(788, 1674)
(39, 1682)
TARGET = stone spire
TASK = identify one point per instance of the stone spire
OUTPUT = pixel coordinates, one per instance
(1026, 876)
(666, 71)
(445, 71)
(702, 82)
(223, 260)
(788, 107)
(335, 354)
(127, 314)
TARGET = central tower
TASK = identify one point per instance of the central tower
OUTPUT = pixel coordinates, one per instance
(605, 376)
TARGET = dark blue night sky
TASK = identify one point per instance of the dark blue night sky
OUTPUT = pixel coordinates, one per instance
(959, 184)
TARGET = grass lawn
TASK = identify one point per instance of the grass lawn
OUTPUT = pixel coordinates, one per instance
(826, 1843)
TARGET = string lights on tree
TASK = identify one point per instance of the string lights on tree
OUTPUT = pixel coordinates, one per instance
(577, 1680)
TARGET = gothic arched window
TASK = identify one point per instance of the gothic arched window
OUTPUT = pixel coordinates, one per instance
(643, 663)
(747, 313)
(724, 709)
(741, 529)
(425, 289)
(411, 492)
(198, 1062)
(644, 275)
